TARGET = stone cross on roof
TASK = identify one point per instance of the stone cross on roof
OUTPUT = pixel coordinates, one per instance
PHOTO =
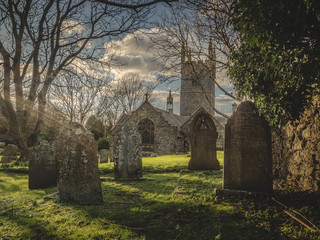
(147, 96)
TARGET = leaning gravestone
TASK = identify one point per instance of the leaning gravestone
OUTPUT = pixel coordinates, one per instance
(248, 154)
(203, 136)
(10, 153)
(127, 154)
(42, 166)
(103, 153)
(77, 160)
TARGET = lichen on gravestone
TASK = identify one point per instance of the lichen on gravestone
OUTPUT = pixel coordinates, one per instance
(76, 153)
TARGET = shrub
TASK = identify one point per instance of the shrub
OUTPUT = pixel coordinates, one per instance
(103, 143)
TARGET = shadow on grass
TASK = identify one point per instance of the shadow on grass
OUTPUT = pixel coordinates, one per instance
(174, 218)
(36, 228)
(151, 209)
(160, 183)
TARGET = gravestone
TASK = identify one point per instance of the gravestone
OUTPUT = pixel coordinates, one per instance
(10, 153)
(103, 153)
(203, 136)
(248, 154)
(77, 161)
(42, 166)
(127, 154)
(2, 145)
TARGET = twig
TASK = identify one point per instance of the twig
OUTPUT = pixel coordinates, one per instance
(295, 218)
(298, 220)
(306, 220)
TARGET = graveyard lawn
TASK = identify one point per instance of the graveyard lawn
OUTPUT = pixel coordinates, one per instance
(171, 203)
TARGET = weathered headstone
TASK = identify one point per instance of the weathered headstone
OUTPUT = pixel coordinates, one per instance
(10, 153)
(248, 154)
(203, 136)
(42, 166)
(77, 160)
(127, 154)
(103, 153)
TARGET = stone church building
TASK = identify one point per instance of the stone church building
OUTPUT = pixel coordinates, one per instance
(164, 132)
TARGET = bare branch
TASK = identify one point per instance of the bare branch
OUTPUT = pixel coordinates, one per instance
(135, 6)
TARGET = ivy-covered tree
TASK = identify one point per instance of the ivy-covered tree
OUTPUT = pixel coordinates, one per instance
(277, 64)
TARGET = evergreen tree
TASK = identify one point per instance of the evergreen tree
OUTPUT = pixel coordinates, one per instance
(277, 64)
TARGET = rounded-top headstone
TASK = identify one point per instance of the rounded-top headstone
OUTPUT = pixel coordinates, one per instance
(248, 152)
(247, 106)
(10, 150)
(9, 153)
(77, 159)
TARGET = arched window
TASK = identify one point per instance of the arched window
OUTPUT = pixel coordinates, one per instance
(146, 130)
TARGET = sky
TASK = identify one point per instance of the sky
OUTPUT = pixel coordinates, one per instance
(136, 54)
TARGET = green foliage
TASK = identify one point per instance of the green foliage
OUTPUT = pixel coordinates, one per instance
(103, 143)
(277, 64)
(166, 205)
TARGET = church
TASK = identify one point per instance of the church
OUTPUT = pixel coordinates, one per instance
(162, 131)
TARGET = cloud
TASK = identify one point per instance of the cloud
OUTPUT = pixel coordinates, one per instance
(224, 100)
(70, 27)
(134, 53)
(162, 95)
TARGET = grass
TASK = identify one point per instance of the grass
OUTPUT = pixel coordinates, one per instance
(160, 164)
(172, 203)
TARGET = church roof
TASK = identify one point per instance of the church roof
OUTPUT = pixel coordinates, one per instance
(171, 118)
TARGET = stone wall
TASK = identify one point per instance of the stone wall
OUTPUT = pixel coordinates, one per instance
(296, 151)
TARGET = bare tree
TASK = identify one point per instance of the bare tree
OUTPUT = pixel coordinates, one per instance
(128, 92)
(39, 39)
(77, 95)
(191, 26)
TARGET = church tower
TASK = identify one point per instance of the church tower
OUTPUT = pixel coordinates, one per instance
(197, 82)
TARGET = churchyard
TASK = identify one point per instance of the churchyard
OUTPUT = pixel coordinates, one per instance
(171, 203)
(60, 62)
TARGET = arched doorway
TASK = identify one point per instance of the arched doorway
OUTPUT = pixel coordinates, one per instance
(146, 129)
